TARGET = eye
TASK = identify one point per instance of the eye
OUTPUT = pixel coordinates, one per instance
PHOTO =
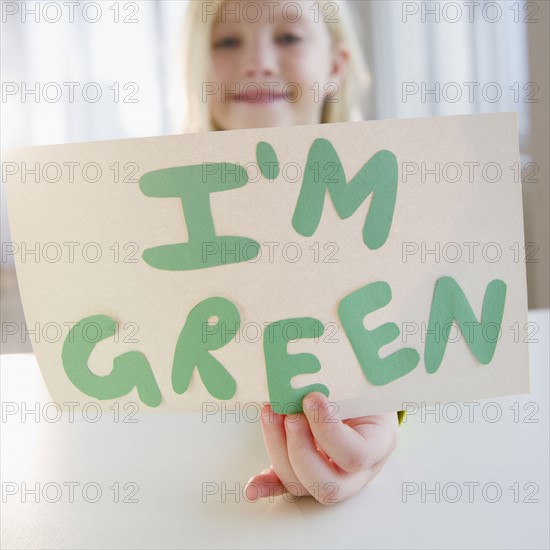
(227, 43)
(288, 39)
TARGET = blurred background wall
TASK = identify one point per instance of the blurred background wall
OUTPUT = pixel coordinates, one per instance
(118, 65)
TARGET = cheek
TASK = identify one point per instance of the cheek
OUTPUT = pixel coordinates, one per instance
(217, 76)
(308, 68)
(221, 68)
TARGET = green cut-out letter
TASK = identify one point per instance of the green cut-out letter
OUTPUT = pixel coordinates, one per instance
(193, 185)
(450, 304)
(325, 171)
(130, 370)
(366, 343)
(267, 160)
(282, 366)
(197, 338)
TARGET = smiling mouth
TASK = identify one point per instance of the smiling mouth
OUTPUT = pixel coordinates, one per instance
(256, 98)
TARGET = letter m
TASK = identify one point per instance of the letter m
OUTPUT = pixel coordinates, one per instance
(324, 171)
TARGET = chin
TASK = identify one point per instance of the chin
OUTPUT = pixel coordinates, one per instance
(240, 121)
(265, 122)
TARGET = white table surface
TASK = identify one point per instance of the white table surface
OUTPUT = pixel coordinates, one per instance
(169, 457)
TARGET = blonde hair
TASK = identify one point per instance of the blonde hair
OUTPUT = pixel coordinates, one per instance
(346, 102)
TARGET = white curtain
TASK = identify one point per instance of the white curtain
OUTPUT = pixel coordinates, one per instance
(95, 74)
(436, 58)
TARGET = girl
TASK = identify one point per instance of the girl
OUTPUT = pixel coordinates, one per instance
(258, 64)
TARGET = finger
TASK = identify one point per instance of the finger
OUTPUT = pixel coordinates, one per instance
(264, 485)
(319, 476)
(350, 448)
(381, 429)
(276, 446)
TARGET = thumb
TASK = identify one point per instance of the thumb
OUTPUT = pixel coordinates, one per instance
(264, 485)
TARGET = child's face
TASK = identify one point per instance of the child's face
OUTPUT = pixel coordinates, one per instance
(273, 72)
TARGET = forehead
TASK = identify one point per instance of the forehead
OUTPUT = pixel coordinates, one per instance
(265, 12)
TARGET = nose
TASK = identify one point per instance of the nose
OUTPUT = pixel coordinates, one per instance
(260, 60)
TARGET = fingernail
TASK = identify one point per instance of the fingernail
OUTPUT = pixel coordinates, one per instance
(247, 491)
(267, 413)
(308, 401)
(311, 399)
(292, 420)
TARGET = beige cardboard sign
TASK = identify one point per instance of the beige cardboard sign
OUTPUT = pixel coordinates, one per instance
(381, 263)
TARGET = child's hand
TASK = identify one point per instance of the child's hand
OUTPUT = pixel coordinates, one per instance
(317, 454)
